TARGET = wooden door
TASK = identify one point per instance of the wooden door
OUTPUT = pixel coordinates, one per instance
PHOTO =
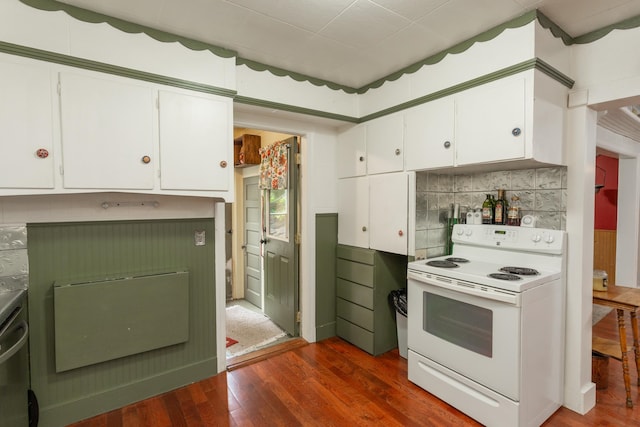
(251, 246)
(281, 250)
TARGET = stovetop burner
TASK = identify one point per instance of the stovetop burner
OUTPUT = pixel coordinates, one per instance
(442, 264)
(454, 259)
(522, 271)
(504, 276)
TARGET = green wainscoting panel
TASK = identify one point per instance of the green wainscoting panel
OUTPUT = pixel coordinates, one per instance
(103, 320)
(98, 251)
(326, 243)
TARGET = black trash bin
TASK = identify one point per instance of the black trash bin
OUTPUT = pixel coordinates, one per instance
(398, 299)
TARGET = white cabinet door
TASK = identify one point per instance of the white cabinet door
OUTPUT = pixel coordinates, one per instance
(352, 152)
(353, 211)
(195, 142)
(490, 122)
(388, 212)
(107, 133)
(429, 135)
(26, 127)
(385, 144)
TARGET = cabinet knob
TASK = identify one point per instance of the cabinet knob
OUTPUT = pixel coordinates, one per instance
(516, 132)
(223, 164)
(364, 228)
(398, 151)
(146, 159)
(400, 233)
(361, 158)
(42, 153)
(447, 144)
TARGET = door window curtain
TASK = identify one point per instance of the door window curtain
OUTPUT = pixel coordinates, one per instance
(273, 166)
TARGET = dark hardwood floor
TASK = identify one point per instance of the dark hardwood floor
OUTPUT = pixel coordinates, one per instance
(332, 383)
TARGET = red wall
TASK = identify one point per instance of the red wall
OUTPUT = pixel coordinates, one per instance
(606, 203)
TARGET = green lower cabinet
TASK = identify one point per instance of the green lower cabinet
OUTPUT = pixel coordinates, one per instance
(365, 278)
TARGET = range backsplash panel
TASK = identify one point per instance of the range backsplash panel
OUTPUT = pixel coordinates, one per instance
(542, 192)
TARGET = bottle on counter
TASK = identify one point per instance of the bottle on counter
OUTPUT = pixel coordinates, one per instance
(513, 213)
(487, 210)
(500, 209)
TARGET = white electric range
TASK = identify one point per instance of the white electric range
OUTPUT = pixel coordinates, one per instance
(486, 323)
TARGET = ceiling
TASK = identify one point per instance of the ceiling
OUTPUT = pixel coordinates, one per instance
(349, 42)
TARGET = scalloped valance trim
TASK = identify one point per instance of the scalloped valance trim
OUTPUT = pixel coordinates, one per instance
(461, 47)
(281, 72)
(128, 27)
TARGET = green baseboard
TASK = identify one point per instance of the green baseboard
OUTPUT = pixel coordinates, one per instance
(325, 331)
(99, 403)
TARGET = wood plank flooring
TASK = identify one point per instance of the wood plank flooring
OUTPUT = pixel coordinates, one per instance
(332, 383)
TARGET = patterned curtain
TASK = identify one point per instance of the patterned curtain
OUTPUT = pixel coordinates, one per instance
(274, 166)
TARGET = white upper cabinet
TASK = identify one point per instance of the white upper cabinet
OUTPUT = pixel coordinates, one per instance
(388, 212)
(195, 141)
(352, 152)
(430, 135)
(26, 127)
(385, 144)
(107, 133)
(490, 122)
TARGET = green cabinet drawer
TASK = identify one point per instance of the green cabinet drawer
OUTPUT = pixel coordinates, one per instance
(361, 295)
(355, 272)
(352, 253)
(355, 335)
(355, 314)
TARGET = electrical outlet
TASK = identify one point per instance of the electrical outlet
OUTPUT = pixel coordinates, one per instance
(199, 238)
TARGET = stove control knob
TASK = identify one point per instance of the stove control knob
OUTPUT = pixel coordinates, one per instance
(549, 238)
(468, 232)
(459, 231)
(536, 238)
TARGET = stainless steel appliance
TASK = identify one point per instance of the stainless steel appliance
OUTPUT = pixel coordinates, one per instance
(14, 331)
(14, 363)
(486, 323)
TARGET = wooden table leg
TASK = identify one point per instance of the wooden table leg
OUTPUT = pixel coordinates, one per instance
(636, 350)
(625, 359)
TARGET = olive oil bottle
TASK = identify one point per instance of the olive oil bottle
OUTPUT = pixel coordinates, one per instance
(487, 210)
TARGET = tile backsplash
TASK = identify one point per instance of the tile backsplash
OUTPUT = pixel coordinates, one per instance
(542, 192)
(14, 264)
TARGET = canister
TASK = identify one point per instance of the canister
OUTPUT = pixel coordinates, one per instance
(599, 280)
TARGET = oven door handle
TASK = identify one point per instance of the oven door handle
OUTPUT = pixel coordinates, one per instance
(19, 344)
(472, 289)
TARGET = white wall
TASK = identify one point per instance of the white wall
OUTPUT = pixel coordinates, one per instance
(607, 74)
(60, 33)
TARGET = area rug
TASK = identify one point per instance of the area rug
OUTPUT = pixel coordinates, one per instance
(599, 313)
(252, 330)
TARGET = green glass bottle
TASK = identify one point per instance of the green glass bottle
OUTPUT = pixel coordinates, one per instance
(487, 210)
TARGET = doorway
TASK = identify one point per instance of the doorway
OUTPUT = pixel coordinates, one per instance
(263, 220)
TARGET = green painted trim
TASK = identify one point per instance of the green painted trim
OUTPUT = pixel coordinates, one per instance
(557, 32)
(456, 49)
(294, 109)
(534, 63)
(128, 27)
(87, 64)
(627, 24)
(554, 74)
(281, 72)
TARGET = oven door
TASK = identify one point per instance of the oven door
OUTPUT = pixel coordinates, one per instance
(471, 331)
